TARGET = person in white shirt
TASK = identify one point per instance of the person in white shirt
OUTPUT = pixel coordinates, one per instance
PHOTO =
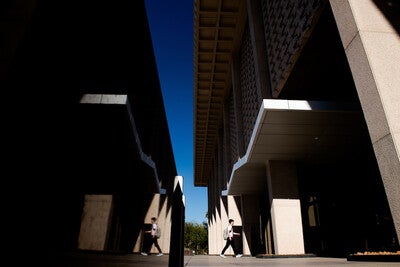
(230, 241)
(153, 239)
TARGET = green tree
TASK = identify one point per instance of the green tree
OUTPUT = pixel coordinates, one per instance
(196, 237)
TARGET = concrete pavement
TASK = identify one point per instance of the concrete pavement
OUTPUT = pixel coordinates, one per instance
(137, 260)
(200, 261)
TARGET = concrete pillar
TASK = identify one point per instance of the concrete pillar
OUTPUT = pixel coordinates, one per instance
(152, 211)
(212, 236)
(165, 221)
(95, 224)
(234, 206)
(213, 213)
(231, 213)
(251, 223)
(372, 47)
(222, 223)
(176, 254)
(163, 215)
(286, 219)
(215, 239)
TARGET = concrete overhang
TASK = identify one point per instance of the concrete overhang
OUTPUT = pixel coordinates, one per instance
(111, 119)
(296, 130)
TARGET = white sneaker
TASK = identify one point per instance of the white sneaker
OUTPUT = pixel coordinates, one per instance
(144, 253)
(222, 255)
(159, 254)
(239, 255)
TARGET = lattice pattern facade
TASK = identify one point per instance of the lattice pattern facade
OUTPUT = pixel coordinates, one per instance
(287, 24)
(250, 97)
(233, 138)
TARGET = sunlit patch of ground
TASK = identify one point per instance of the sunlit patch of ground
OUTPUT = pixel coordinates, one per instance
(375, 256)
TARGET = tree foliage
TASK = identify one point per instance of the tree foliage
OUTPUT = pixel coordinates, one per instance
(196, 237)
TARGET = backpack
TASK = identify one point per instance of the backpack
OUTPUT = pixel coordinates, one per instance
(225, 234)
(158, 232)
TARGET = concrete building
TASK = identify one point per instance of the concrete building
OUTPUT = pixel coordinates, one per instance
(297, 124)
(95, 160)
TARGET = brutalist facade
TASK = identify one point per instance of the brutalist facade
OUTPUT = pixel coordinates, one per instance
(297, 124)
(95, 155)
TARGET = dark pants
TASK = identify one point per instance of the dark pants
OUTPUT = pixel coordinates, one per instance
(229, 242)
(150, 241)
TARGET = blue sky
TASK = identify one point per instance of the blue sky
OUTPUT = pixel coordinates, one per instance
(171, 26)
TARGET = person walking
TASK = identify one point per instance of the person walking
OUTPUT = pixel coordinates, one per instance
(230, 241)
(153, 239)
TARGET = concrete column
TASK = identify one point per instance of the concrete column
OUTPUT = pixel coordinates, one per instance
(178, 223)
(216, 241)
(234, 203)
(210, 233)
(213, 212)
(163, 215)
(232, 213)
(286, 220)
(165, 221)
(95, 224)
(153, 212)
(223, 222)
(372, 47)
(251, 223)
(212, 237)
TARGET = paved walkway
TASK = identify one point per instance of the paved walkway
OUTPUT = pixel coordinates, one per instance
(137, 260)
(200, 261)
